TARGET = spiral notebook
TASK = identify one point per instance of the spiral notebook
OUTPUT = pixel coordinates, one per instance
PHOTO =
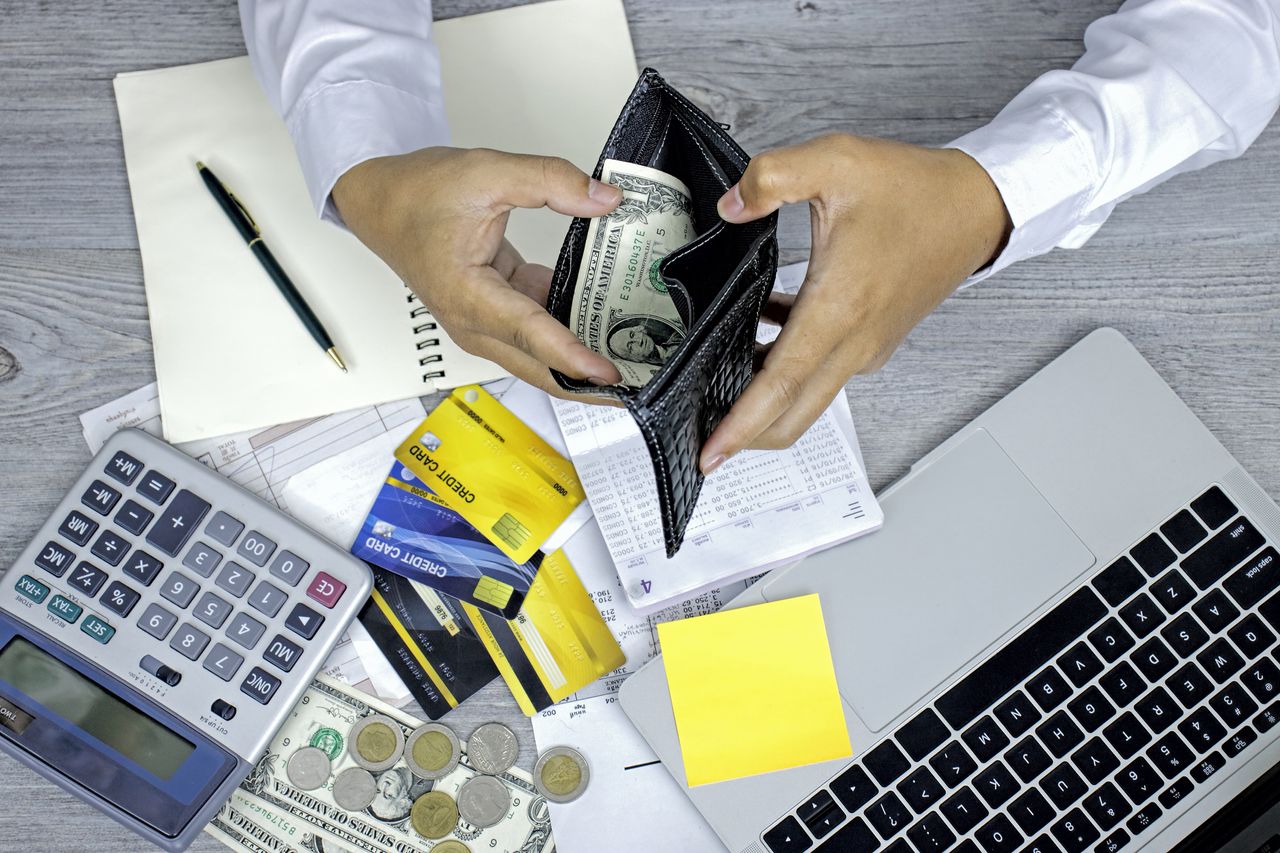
(230, 355)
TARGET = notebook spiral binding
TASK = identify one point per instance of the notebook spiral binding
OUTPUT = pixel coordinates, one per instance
(429, 325)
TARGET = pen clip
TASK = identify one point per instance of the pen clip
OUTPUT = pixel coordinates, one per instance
(247, 214)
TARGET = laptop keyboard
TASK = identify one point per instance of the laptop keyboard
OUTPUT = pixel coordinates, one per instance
(1084, 730)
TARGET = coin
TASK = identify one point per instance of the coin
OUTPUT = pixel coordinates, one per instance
(483, 801)
(308, 768)
(353, 789)
(376, 742)
(432, 751)
(434, 814)
(492, 748)
(451, 846)
(561, 774)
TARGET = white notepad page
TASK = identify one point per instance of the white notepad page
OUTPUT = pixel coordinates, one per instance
(230, 355)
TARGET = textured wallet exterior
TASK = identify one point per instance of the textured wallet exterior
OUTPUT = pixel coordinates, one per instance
(719, 282)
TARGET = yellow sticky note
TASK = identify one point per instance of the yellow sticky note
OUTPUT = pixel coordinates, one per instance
(753, 690)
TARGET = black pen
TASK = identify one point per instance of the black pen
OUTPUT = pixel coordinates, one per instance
(248, 229)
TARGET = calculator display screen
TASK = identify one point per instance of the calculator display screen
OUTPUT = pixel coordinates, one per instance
(75, 698)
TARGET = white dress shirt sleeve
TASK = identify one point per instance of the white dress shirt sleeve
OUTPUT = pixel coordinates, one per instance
(353, 80)
(1164, 87)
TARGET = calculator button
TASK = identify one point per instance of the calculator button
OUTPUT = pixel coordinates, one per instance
(100, 497)
(225, 710)
(119, 598)
(55, 559)
(134, 517)
(110, 547)
(178, 522)
(223, 662)
(143, 567)
(289, 567)
(87, 578)
(99, 630)
(223, 529)
(189, 641)
(202, 559)
(267, 598)
(256, 548)
(78, 528)
(245, 630)
(31, 588)
(304, 621)
(166, 674)
(123, 467)
(235, 579)
(157, 621)
(211, 610)
(64, 609)
(282, 652)
(155, 487)
(260, 684)
(179, 589)
(326, 589)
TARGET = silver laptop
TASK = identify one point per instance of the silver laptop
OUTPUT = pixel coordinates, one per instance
(1064, 638)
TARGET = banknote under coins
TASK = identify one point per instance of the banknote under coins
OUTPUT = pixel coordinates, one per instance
(483, 801)
(451, 846)
(493, 748)
(354, 789)
(434, 814)
(561, 774)
(376, 743)
(432, 751)
(308, 768)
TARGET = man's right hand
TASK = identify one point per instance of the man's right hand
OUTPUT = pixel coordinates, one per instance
(437, 217)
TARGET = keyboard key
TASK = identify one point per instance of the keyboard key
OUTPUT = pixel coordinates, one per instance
(119, 599)
(1184, 635)
(964, 810)
(853, 788)
(157, 621)
(143, 567)
(1226, 550)
(1251, 636)
(1142, 615)
(223, 662)
(202, 559)
(99, 497)
(1176, 792)
(1031, 811)
(32, 588)
(64, 609)
(1112, 843)
(985, 739)
(921, 790)
(176, 524)
(1063, 785)
(189, 641)
(1123, 684)
(245, 630)
(1119, 581)
(1028, 759)
(1095, 760)
(1042, 844)
(223, 529)
(1202, 730)
(1153, 555)
(953, 764)
(155, 487)
(1080, 664)
(179, 589)
(268, 599)
(134, 517)
(326, 589)
(87, 579)
(886, 763)
(1111, 640)
(110, 547)
(235, 579)
(1220, 660)
(1139, 781)
(1126, 736)
(1017, 713)
(788, 837)
(1172, 592)
(304, 621)
(1171, 755)
(1091, 709)
(1025, 654)
(1190, 685)
(78, 528)
(815, 807)
(260, 684)
(1049, 689)
(1239, 742)
(998, 835)
(995, 784)
(1216, 611)
(1074, 832)
(1214, 508)
(1233, 705)
(922, 735)
(1268, 719)
(1060, 734)
(853, 837)
(211, 610)
(931, 835)
(1183, 531)
(888, 815)
(1158, 710)
(1207, 766)
(96, 628)
(123, 468)
(55, 559)
(1147, 815)
(256, 548)
(1154, 659)
(289, 567)
(1107, 806)
(1262, 680)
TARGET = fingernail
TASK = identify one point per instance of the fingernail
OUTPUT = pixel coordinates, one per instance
(731, 203)
(596, 380)
(602, 193)
(712, 464)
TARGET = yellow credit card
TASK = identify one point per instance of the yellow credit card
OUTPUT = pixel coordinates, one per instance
(486, 465)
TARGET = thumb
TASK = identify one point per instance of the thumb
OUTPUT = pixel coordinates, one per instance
(526, 180)
(772, 179)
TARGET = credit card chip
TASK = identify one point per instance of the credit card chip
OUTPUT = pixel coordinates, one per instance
(493, 591)
(510, 530)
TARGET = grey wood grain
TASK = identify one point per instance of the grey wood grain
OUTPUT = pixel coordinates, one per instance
(1188, 272)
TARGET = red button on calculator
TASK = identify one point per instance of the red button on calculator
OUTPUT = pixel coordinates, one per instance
(326, 590)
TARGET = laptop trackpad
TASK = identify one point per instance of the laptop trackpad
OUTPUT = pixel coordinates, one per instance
(969, 549)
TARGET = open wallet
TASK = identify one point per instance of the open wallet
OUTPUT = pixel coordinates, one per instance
(719, 282)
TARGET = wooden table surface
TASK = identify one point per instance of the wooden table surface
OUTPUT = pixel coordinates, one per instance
(1188, 272)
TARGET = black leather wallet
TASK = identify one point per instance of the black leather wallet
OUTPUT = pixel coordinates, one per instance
(719, 282)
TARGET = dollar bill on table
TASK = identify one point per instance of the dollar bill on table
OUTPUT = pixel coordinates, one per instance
(268, 812)
(621, 307)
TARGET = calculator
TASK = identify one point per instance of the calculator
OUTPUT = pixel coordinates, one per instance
(157, 632)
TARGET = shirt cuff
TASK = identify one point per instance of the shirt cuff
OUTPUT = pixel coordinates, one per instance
(1046, 174)
(344, 124)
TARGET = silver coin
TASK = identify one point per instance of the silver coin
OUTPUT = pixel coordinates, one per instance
(492, 748)
(432, 751)
(308, 768)
(561, 774)
(483, 801)
(376, 743)
(354, 789)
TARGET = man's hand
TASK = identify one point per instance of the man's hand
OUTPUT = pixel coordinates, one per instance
(896, 228)
(437, 217)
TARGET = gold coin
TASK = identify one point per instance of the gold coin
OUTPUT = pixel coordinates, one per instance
(376, 742)
(451, 846)
(561, 775)
(434, 814)
(432, 750)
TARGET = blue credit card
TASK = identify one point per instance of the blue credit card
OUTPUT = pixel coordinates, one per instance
(411, 532)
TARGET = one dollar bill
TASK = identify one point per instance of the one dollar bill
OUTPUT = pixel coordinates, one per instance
(621, 308)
